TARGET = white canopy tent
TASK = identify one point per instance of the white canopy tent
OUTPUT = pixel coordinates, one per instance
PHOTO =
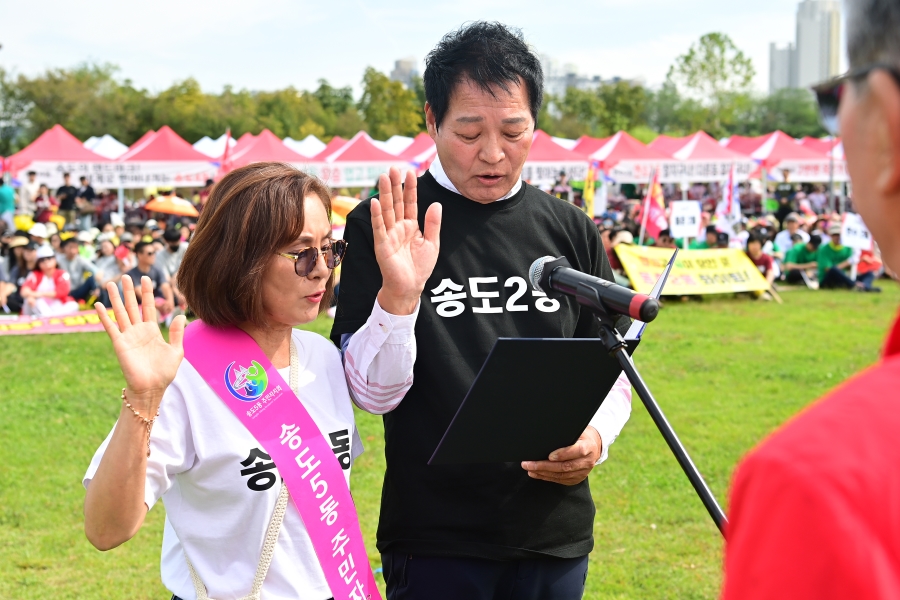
(214, 148)
(106, 146)
(308, 146)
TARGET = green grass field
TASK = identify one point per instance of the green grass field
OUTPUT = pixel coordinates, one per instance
(725, 371)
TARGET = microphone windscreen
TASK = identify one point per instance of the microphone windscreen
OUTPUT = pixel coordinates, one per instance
(536, 271)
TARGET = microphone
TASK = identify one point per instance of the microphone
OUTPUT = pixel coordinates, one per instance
(555, 274)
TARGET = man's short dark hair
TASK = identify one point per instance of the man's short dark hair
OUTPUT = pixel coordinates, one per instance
(32, 173)
(140, 246)
(83, 178)
(65, 174)
(712, 229)
(68, 241)
(487, 54)
(665, 233)
(796, 238)
(754, 237)
(872, 32)
(172, 235)
(815, 240)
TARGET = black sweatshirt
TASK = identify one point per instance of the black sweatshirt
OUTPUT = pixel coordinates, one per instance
(479, 291)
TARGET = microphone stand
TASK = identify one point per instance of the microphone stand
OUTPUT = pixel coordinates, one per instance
(616, 346)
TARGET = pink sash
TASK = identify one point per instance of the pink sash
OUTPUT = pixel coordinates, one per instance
(241, 375)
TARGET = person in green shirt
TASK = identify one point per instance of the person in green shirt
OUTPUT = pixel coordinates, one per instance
(832, 259)
(801, 258)
(707, 243)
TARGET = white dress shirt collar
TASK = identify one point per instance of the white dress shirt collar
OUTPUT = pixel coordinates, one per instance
(437, 171)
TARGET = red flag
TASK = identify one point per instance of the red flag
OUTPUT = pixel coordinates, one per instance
(653, 213)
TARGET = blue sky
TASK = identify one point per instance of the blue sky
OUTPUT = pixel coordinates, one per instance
(281, 42)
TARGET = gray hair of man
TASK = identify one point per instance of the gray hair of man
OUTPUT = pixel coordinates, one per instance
(872, 27)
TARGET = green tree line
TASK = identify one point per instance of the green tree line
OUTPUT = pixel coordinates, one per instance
(708, 88)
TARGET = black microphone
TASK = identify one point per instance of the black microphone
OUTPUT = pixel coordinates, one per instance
(548, 273)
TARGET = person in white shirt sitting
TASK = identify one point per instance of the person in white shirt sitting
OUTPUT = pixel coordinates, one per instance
(219, 485)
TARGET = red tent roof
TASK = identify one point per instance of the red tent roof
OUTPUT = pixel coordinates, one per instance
(544, 149)
(421, 144)
(164, 145)
(361, 149)
(54, 144)
(624, 147)
(820, 145)
(330, 148)
(150, 133)
(745, 145)
(588, 145)
(702, 146)
(667, 144)
(264, 147)
(242, 142)
(779, 146)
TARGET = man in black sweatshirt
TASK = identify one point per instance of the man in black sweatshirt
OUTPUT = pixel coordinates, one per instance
(485, 531)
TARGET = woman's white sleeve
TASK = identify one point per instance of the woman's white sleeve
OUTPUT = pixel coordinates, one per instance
(612, 415)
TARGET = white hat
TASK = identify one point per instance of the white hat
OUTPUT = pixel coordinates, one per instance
(51, 228)
(38, 230)
(151, 223)
(45, 252)
(105, 237)
(85, 236)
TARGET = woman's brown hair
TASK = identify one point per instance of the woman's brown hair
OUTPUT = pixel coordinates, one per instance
(251, 214)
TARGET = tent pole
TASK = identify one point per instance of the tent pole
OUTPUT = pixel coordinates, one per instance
(121, 200)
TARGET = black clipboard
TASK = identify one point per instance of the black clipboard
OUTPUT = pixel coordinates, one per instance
(534, 395)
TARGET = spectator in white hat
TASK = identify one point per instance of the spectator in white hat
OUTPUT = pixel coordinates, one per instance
(46, 288)
(38, 234)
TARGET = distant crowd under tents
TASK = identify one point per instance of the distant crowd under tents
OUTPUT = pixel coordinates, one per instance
(163, 159)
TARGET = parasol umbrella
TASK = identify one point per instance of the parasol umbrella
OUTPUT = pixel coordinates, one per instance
(172, 205)
(342, 205)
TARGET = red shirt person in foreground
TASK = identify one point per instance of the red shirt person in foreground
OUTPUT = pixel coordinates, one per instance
(815, 512)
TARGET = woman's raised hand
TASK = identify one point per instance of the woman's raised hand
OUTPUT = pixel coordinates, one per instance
(405, 254)
(148, 362)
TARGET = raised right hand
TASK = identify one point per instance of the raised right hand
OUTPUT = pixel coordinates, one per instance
(148, 362)
(405, 254)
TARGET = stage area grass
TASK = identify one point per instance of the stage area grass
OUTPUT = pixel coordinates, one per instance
(726, 372)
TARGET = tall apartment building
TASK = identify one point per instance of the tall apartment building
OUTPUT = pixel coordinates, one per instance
(815, 56)
(818, 41)
(782, 67)
(405, 70)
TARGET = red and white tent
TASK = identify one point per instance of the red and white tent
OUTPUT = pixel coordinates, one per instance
(626, 160)
(420, 154)
(784, 158)
(357, 163)
(264, 147)
(820, 145)
(335, 144)
(701, 159)
(54, 152)
(587, 145)
(742, 144)
(667, 144)
(162, 159)
(547, 159)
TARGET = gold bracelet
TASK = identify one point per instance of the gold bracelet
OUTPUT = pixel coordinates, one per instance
(148, 422)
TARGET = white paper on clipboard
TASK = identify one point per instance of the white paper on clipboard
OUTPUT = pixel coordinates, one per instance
(637, 327)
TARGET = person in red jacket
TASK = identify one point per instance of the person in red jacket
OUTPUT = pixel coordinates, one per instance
(46, 289)
(815, 509)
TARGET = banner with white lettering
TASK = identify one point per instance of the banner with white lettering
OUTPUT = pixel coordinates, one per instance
(854, 233)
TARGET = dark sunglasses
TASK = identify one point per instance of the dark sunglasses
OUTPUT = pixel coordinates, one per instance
(305, 260)
(829, 94)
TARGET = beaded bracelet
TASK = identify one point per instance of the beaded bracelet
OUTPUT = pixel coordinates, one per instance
(146, 421)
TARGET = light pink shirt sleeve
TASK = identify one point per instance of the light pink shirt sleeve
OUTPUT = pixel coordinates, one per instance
(379, 359)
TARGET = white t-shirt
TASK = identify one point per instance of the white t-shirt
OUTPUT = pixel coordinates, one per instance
(216, 513)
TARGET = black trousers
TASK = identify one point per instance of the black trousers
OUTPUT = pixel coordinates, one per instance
(415, 577)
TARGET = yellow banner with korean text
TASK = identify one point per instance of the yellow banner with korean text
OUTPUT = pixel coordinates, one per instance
(715, 271)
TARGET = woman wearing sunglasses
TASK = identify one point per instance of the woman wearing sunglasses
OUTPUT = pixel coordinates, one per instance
(261, 261)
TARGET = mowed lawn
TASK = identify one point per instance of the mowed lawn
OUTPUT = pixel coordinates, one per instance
(726, 372)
